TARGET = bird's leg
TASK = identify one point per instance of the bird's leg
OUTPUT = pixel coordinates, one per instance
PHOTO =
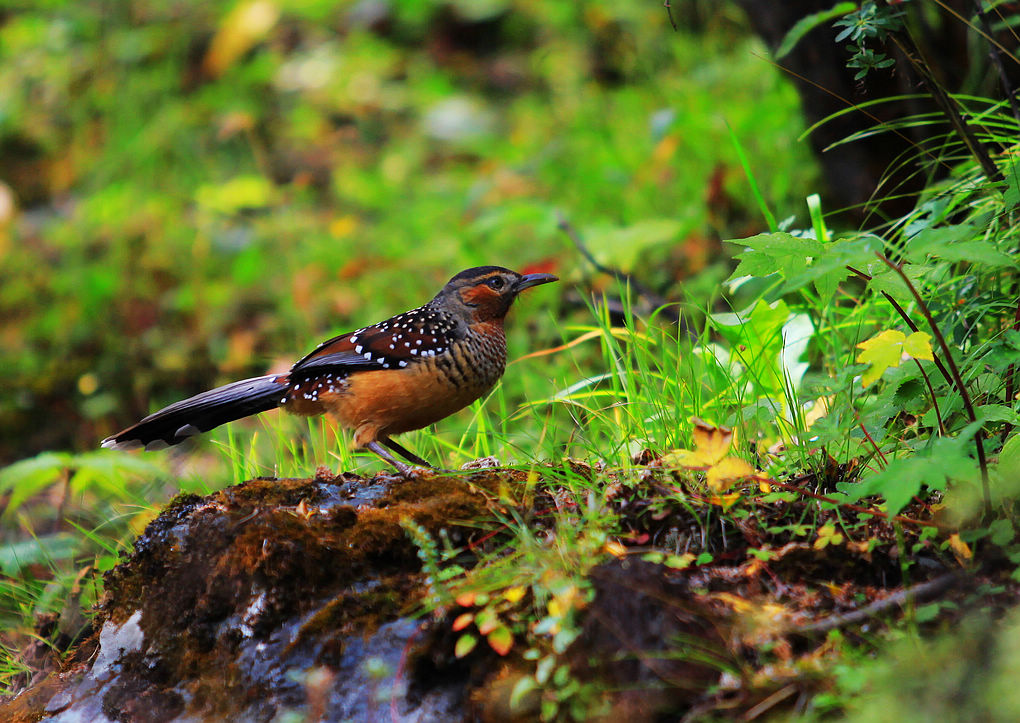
(401, 467)
(405, 453)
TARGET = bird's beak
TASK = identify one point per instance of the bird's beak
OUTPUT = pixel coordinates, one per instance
(529, 280)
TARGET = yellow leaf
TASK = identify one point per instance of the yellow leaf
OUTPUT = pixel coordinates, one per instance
(513, 594)
(961, 550)
(243, 27)
(615, 549)
(343, 226)
(819, 408)
(880, 353)
(918, 346)
(711, 447)
(680, 562)
(711, 442)
(721, 476)
(725, 501)
(682, 458)
(827, 535)
(738, 604)
(665, 149)
(888, 349)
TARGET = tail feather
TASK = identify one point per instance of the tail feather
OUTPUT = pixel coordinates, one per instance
(201, 413)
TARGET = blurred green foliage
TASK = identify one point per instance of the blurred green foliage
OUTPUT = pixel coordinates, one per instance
(202, 190)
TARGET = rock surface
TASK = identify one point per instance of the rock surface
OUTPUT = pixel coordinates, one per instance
(270, 598)
(302, 600)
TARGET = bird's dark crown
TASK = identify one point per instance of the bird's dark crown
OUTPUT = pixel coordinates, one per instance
(478, 273)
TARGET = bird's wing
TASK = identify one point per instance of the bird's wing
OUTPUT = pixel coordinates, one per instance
(394, 343)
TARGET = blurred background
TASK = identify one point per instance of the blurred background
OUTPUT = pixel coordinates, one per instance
(195, 192)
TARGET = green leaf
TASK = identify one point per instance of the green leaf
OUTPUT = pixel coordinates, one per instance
(1001, 532)
(756, 338)
(996, 413)
(957, 243)
(464, 645)
(830, 269)
(770, 253)
(1009, 456)
(885, 279)
(926, 613)
(809, 22)
(522, 687)
(30, 476)
(1011, 194)
(16, 556)
(903, 478)
(544, 669)
(622, 247)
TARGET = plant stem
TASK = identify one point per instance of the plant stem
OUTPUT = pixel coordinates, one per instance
(934, 401)
(996, 57)
(1011, 372)
(948, 106)
(957, 379)
(906, 320)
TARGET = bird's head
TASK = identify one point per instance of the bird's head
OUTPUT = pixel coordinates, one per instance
(485, 293)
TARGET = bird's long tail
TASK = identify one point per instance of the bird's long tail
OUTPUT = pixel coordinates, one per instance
(202, 412)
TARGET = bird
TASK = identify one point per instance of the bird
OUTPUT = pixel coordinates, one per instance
(395, 376)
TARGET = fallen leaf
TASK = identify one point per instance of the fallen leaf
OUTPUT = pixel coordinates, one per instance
(711, 449)
(720, 477)
(615, 549)
(961, 550)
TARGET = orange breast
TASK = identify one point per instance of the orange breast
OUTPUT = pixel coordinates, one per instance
(378, 404)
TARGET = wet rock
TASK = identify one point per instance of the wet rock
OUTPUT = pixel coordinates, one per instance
(302, 600)
(270, 598)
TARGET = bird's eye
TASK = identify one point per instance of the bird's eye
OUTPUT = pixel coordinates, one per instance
(495, 283)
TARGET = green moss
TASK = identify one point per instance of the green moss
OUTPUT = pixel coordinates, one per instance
(204, 561)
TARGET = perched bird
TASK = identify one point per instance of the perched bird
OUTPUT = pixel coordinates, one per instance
(395, 376)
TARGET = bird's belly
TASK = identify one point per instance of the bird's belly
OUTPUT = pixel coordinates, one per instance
(380, 403)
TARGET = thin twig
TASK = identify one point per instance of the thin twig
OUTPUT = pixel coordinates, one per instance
(863, 111)
(996, 57)
(656, 301)
(991, 39)
(948, 106)
(669, 14)
(881, 456)
(1011, 372)
(917, 592)
(934, 401)
(957, 379)
(771, 701)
